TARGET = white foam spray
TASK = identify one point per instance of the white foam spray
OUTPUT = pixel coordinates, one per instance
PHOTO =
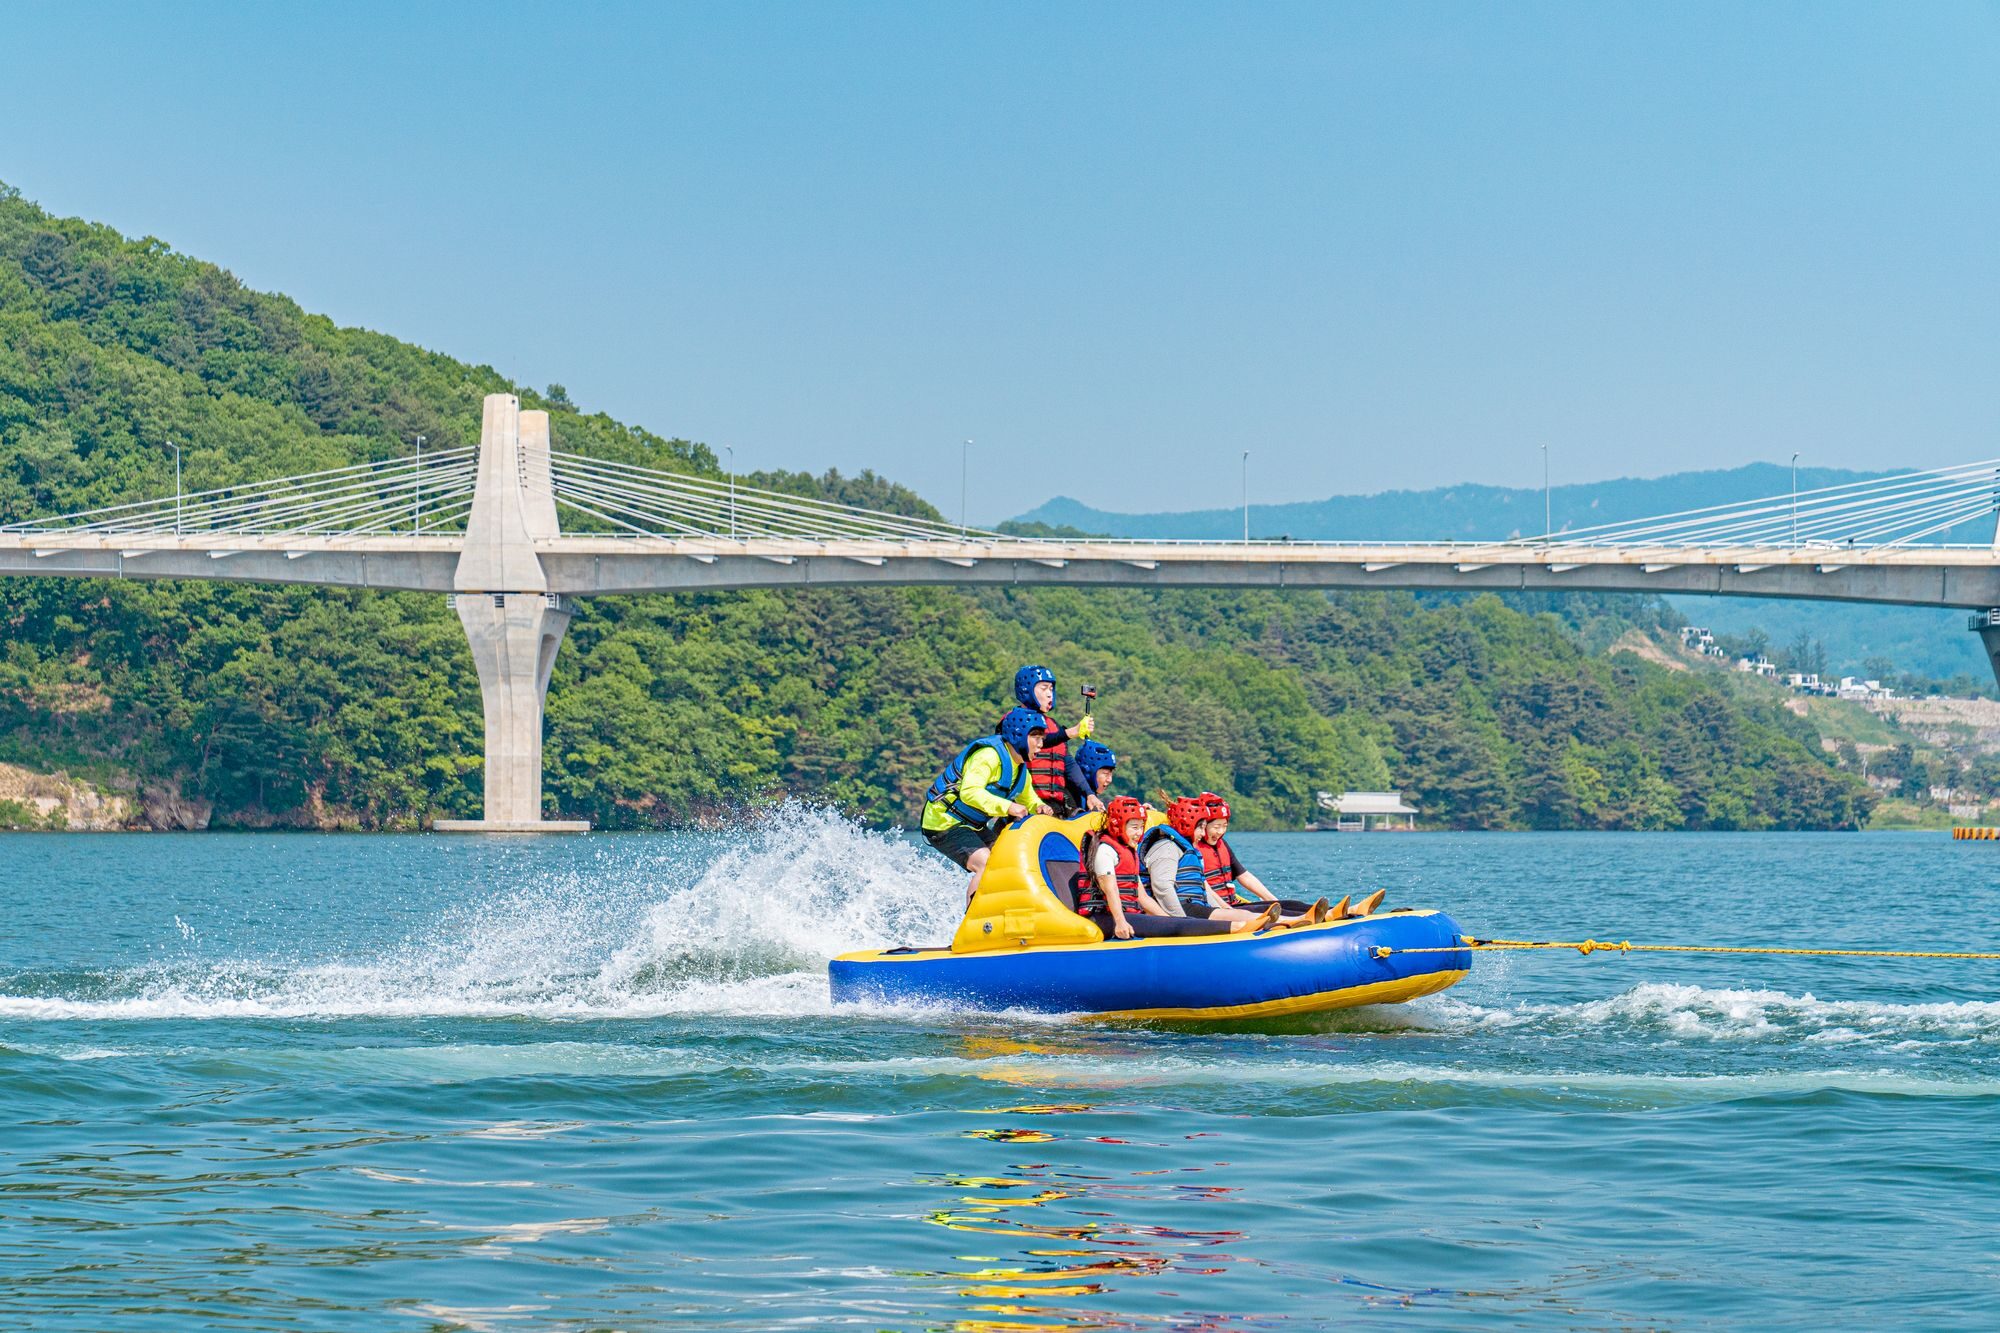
(743, 924)
(1725, 1015)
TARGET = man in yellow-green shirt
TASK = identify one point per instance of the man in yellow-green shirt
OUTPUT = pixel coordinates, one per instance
(986, 785)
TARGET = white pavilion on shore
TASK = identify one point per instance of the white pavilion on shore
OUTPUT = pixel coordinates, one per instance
(1369, 811)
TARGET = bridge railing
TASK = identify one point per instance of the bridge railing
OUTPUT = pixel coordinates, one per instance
(431, 494)
(1910, 508)
(419, 493)
(1925, 508)
(649, 502)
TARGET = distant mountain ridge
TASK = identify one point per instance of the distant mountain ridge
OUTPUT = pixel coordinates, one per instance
(1928, 641)
(1464, 512)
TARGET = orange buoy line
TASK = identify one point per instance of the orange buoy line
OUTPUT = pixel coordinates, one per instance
(1975, 834)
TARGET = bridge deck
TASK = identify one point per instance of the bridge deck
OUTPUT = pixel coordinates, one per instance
(583, 565)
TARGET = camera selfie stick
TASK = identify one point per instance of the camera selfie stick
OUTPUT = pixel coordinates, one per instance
(1089, 693)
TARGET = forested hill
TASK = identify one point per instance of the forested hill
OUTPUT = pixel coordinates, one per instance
(309, 707)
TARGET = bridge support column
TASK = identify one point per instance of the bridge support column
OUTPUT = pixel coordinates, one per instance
(1987, 623)
(513, 622)
(514, 639)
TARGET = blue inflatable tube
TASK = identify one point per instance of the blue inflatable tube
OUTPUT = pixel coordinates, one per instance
(1279, 972)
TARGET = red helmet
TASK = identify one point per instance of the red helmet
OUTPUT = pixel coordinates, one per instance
(1121, 810)
(1185, 812)
(1217, 807)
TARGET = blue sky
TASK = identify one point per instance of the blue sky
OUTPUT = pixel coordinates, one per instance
(1115, 244)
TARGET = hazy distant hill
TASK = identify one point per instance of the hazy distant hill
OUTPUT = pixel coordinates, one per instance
(1445, 512)
(1918, 639)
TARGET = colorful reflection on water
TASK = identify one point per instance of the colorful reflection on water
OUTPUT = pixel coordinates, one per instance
(1111, 1246)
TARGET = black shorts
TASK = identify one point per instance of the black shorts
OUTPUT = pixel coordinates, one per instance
(1157, 927)
(1286, 906)
(960, 841)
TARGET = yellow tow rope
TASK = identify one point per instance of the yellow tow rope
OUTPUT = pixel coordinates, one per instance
(1587, 947)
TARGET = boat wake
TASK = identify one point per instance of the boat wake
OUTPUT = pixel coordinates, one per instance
(743, 925)
(1699, 1013)
(746, 928)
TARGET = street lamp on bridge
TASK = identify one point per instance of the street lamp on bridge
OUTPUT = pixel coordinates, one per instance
(1548, 508)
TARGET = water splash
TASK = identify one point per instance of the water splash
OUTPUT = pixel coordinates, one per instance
(649, 930)
(744, 924)
(804, 888)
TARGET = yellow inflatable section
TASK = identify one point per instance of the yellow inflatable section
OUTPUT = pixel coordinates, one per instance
(1015, 908)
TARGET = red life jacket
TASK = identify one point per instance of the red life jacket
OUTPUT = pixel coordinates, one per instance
(1049, 771)
(1090, 895)
(1216, 858)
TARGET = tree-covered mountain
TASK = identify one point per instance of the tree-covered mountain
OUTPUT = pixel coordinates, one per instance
(320, 707)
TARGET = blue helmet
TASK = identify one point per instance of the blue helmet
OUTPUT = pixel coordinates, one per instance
(1017, 726)
(1093, 757)
(1025, 681)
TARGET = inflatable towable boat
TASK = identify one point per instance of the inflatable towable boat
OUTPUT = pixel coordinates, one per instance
(1022, 946)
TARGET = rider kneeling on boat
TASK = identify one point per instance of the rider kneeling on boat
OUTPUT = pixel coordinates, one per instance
(1053, 769)
(1112, 891)
(1230, 885)
(986, 785)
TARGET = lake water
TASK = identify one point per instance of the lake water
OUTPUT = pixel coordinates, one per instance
(347, 1083)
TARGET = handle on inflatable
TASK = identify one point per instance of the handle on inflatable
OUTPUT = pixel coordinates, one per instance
(1015, 907)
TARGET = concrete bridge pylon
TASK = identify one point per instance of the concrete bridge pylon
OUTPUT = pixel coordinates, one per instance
(513, 622)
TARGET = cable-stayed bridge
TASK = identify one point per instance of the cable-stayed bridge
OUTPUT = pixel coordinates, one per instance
(482, 524)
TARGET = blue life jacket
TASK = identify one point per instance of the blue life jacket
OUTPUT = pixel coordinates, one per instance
(1048, 770)
(944, 787)
(1190, 886)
